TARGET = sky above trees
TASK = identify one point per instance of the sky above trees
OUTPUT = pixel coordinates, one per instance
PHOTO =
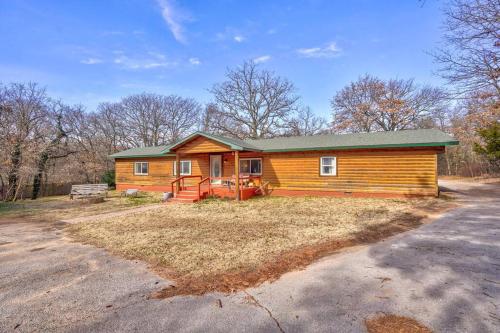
(90, 52)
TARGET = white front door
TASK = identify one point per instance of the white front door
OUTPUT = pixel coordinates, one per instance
(216, 168)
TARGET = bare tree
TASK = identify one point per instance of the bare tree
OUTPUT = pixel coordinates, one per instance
(306, 123)
(208, 118)
(253, 103)
(112, 126)
(51, 145)
(353, 105)
(144, 118)
(470, 56)
(371, 104)
(24, 120)
(153, 120)
(182, 115)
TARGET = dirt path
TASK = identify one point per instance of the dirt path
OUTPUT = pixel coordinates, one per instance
(445, 275)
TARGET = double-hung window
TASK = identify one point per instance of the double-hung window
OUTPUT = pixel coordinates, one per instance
(251, 166)
(328, 166)
(141, 168)
(185, 168)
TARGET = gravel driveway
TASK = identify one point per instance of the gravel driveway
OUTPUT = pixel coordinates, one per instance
(446, 275)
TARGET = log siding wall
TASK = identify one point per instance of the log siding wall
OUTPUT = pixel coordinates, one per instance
(410, 171)
(401, 172)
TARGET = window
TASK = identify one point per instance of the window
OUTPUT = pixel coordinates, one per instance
(185, 168)
(141, 168)
(251, 166)
(328, 166)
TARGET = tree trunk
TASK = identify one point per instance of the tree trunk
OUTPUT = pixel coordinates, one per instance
(44, 156)
(13, 177)
(37, 180)
(447, 159)
(2, 188)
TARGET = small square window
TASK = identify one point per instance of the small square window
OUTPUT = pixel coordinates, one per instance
(328, 166)
(185, 168)
(141, 168)
(251, 166)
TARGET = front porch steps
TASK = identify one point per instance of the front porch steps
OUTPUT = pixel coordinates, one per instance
(187, 196)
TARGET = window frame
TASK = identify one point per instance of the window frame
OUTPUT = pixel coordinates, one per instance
(250, 165)
(141, 173)
(183, 174)
(334, 165)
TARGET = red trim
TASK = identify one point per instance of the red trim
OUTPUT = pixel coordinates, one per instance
(247, 193)
(222, 192)
(300, 193)
(147, 188)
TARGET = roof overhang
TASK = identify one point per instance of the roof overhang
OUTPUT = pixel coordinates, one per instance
(139, 156)
(402, 145)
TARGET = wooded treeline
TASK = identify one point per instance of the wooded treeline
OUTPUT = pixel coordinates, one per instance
(43, 140)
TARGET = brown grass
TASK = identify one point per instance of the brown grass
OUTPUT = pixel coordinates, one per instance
(56, 208)
(394, 324)
(227, 245)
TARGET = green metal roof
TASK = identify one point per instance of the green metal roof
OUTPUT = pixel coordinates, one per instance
(142, 152)
(406, 138)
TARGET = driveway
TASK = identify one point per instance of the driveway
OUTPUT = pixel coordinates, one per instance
(446, 275)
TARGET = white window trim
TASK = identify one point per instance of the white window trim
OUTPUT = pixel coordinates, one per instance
(180, 162)
(140, 173)
(321, 173)
(249, 159)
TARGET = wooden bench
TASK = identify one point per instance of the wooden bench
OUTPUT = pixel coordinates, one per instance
(88, 190)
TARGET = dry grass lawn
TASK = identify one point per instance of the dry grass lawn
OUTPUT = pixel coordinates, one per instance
(61, 207)
(222, 244)
(394, 324)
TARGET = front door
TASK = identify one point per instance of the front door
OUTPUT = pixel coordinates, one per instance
(216, 168)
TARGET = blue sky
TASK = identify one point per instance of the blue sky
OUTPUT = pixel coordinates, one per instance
(87, 52)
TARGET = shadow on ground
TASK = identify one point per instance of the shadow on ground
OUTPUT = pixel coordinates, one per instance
(445, 274)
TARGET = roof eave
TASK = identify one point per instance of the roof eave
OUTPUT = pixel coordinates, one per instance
(140, 156)
(396, 145)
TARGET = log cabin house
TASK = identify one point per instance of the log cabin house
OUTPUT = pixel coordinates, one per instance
(383, 164)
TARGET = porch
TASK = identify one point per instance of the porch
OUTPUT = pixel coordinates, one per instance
(199, 188)
(207, 165)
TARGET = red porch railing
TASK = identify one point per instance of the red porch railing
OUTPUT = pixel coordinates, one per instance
(225, 182)
(199, 186)
(181, 182)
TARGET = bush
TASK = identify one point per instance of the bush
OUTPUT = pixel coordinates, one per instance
(109, 178)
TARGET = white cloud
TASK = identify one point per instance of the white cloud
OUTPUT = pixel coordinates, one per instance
(238, 38)
(194, 61)
(91, 61)
(328, 51)
(232, 34)
(156, 60)
(262, 59)
(174, 19)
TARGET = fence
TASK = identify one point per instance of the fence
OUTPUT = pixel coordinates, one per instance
(45, 190)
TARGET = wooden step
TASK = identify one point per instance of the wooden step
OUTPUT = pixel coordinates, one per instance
(184, 200)
(186, 195)
(190, 194)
